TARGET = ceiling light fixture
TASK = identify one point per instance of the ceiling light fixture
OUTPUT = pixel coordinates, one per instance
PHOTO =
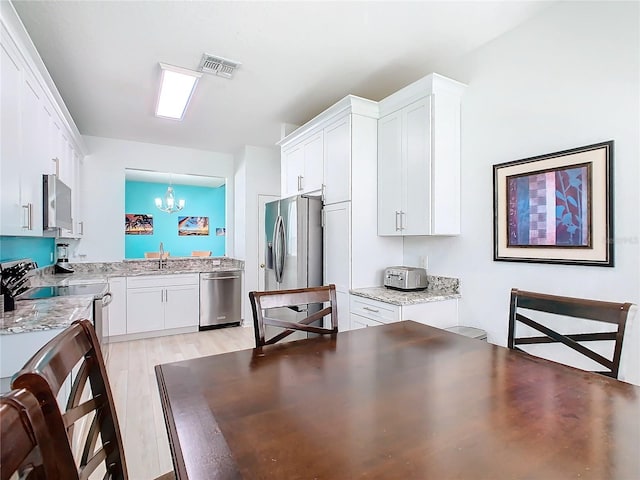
(176, 88)
(169, 205)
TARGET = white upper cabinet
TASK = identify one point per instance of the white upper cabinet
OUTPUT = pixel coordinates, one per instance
(337, 161)
(22, 124)
(318, 156)
(419, 159)
(11, 214)
(302, 166)
(37, 135)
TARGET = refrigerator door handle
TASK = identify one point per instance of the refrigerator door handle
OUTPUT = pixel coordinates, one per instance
(278, 248)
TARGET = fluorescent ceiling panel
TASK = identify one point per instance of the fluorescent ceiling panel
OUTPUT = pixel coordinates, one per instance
(176, 88)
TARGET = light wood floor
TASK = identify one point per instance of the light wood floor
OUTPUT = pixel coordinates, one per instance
(133, 382)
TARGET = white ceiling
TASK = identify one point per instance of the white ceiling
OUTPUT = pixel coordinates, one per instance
(297, 59)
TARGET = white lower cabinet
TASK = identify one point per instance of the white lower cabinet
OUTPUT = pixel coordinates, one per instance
(161, 302)
(116, 323)
(16, 349)
(366, 312)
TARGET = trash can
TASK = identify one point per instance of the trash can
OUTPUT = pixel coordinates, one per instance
(471, 332)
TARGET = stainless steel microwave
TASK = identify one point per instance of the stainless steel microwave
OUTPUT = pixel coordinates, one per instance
(56, 198)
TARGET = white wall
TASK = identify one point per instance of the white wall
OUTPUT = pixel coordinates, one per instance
(257, 173)
(567, 78)
(103, 189)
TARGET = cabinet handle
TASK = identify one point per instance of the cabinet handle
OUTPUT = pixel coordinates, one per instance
(371, 309)
(161, 296)
(300, 182)
(397, 216)
(57, 162)
(402, 226)
(166, 296)
(81, 227)
(29, 218)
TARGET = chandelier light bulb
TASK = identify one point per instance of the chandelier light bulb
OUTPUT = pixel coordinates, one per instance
(170, 205)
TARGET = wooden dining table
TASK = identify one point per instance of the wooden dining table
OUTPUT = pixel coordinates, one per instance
(397, 401)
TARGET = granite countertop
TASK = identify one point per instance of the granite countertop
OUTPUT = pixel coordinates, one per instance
(439, 289)
(101, 272)
(45, 314)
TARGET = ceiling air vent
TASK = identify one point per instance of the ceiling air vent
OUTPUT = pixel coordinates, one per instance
(220, 66)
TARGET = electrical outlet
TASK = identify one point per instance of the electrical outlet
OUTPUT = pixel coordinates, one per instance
(424, 262)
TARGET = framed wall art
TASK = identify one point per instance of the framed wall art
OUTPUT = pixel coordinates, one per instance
(138, 224)
(555, 208)
(193, 226)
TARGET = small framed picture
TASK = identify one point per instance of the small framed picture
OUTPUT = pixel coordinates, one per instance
(193, 226)
(138, 224)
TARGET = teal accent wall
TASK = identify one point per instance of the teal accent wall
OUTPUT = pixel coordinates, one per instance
(199, 201)
(36, 248)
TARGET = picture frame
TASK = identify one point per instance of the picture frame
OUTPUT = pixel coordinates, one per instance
(193, 226)
(138, 224)
(555, 208)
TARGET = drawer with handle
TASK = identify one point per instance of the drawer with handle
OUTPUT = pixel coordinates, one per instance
(375, 310)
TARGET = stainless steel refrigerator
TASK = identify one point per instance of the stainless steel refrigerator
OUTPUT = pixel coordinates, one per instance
(293, 239)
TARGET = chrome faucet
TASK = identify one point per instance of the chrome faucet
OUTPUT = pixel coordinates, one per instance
(162, 262)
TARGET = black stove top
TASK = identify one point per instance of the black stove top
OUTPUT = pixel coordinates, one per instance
(95, 289)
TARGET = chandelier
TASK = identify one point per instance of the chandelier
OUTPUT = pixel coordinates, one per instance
(169, 205)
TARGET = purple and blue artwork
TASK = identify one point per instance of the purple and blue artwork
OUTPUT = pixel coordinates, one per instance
(550, 208)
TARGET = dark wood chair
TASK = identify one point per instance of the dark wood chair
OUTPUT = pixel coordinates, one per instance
(88, 425)
(548, 310)
(296, 300)
(27, 450)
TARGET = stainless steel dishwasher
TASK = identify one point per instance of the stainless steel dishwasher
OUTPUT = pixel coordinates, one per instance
(220, 298)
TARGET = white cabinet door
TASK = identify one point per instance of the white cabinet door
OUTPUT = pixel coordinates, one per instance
(33, 162)
(337, 245)
(415, 218)
(117, 324)
(76, 212)
(11, 213)
(293, 170)
(344, 324)
(302, 166)
(390, 174)
(337, 256)
(337, 161)
(145, 309)
(181, 307)
(313, 164)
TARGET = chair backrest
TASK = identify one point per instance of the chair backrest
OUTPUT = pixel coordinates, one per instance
(155, 255)
(26, 447)
(297, 300)
(582, 321)
(201, 253)
(89, 423)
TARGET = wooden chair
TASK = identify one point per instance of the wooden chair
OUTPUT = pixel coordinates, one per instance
(89, 424)
(26, 448)
(293, 299)
(549, 311)
(155, 255)
(201, 253)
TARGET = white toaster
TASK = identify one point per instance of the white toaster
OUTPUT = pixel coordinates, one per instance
(405, 278)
